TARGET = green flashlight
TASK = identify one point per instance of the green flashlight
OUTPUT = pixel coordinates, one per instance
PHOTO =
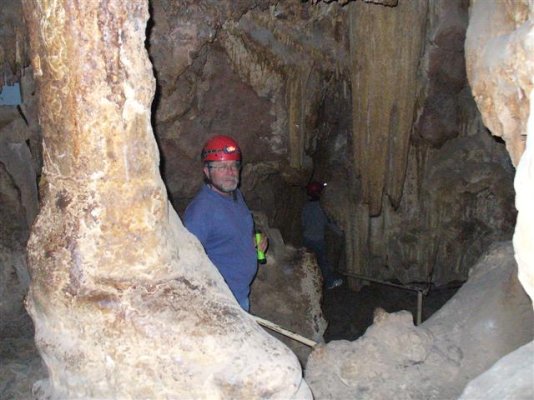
(261, 255)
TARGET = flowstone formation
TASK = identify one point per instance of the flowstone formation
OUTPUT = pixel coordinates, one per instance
(124, 301)
(369, 96)
(422, 155)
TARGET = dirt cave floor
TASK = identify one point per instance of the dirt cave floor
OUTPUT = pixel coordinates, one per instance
(349, 313)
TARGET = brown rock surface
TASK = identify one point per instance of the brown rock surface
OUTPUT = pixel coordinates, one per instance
(283, 80)
(288, 291)
(278, 76)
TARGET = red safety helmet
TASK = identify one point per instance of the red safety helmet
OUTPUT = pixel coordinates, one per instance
(221, 148)
(315, 189)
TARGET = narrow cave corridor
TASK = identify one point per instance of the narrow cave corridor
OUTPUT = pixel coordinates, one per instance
(395, 104)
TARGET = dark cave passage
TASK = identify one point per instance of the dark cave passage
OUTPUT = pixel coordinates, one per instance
(349, 313)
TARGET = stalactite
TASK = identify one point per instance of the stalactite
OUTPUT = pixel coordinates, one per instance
(384, 97)
(383, 101)
(295, 92)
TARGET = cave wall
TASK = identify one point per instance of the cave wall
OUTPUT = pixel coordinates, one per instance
(491, 315)
(428, 196)
(284, 79)
(346, 93)
(20, 166)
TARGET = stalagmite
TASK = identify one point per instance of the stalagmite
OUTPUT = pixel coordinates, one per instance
(124, 301)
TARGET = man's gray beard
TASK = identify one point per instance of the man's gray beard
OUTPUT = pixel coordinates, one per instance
(232, 192)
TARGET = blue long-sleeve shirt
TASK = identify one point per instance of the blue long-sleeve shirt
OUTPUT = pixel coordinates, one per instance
(224, 226)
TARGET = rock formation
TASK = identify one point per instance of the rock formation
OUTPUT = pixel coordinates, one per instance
(474, 329)
(490, 316)
(500, 68)
(287, 291)
(509, 378)
(125, 303)
(348, 95)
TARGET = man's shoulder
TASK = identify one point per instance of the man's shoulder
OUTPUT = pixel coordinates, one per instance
(200, 200)
(200, 194)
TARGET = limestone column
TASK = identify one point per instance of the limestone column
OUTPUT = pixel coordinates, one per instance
(124, 301)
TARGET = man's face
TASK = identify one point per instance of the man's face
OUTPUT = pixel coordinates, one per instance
(223, 175)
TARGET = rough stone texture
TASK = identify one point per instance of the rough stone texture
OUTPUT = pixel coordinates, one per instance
(384, 99)
(296, 308)
(500, 66)
(21, 366)
(18, 163)
(124, 301)
(490, 315)
(19, 168)
(277, 75)
(399, 229)
(511, 378)
(487, 318)
(284, 79)
(14, 283)
(13, 57)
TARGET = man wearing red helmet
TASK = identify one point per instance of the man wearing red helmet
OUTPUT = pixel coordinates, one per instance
(220, 219)
(314, 223)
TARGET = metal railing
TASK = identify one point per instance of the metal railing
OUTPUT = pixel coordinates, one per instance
(421, 291)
